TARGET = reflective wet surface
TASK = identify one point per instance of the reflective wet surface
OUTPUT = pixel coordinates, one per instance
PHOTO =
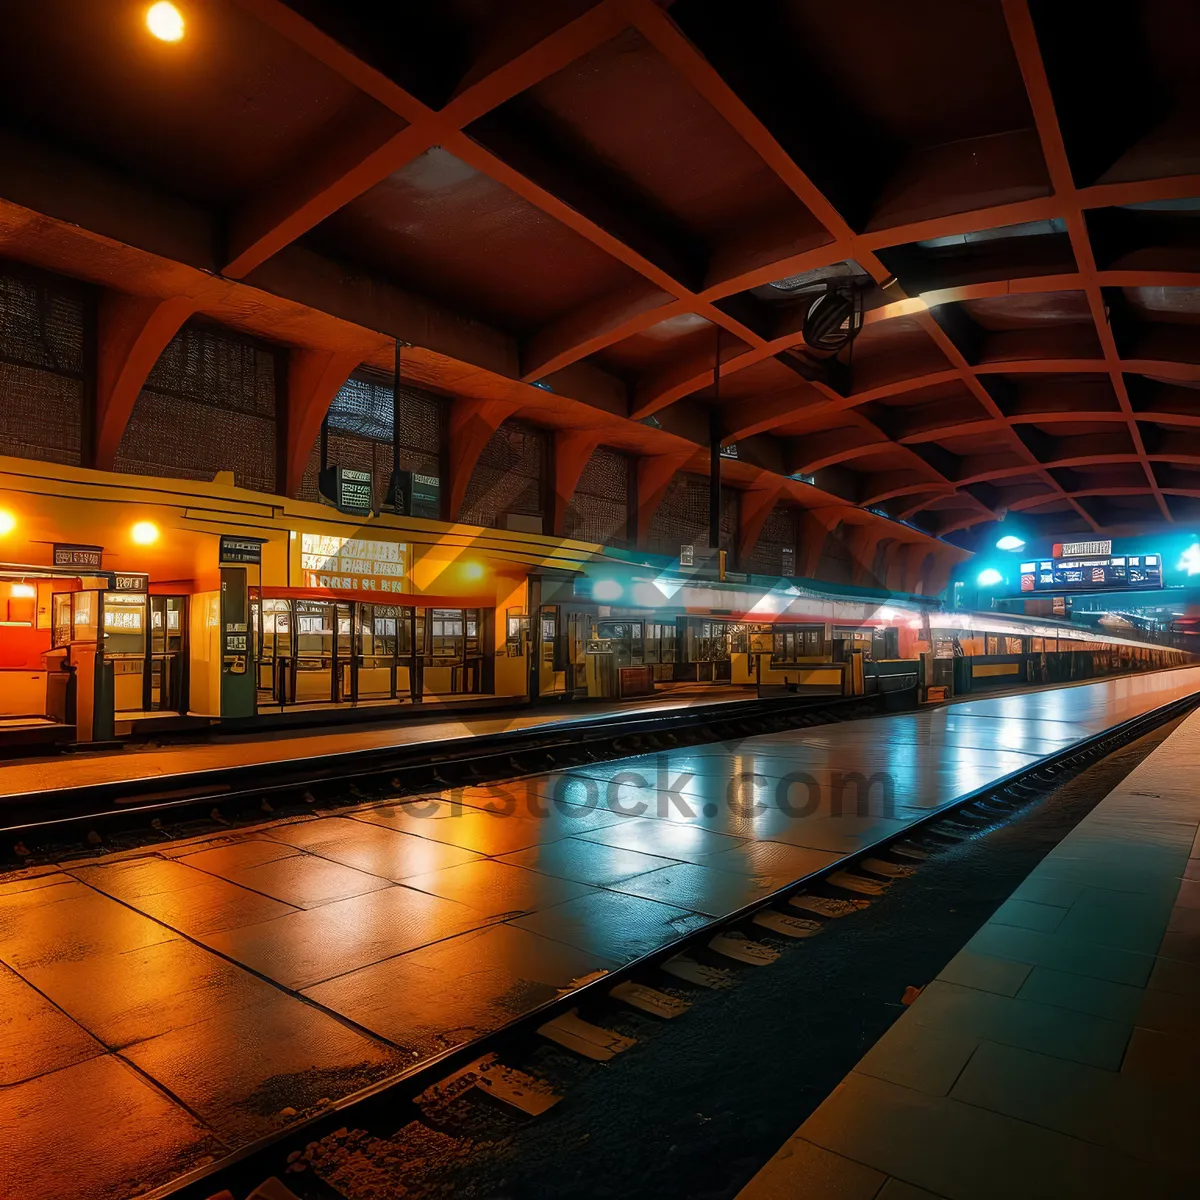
(215, 990)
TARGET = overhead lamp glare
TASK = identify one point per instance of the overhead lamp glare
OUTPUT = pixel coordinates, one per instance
(165, 21)
(989, 577)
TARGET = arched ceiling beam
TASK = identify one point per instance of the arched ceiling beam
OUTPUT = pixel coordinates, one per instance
(132, 331)
(1037, 87)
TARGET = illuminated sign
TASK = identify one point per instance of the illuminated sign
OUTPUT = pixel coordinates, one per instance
(1096, 549)
(353, 564)
(70, 555)
(1092, 574)
(349, 491)
(241, 550)
(131, 583)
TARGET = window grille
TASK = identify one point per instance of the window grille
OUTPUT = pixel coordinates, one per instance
(599, 510)
(41, 365)
(508, 476)
(682, 517)
(208, 405)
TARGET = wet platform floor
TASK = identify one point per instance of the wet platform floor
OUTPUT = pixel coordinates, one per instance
(159, 1009)
(1057, 1053)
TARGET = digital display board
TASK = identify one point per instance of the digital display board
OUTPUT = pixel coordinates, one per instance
(1099, 574)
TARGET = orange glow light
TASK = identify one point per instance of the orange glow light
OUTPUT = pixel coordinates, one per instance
(165, 21)
(7, 522)
(23, 591)
(145, 533)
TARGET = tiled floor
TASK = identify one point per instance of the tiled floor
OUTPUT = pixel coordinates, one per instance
(1057, 1054)
(215, 990)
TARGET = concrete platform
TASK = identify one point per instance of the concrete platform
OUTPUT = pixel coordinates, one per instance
(1057, 1054)
(147, 763)
(161, 1009)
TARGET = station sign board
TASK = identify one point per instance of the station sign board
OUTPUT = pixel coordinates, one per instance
(415, 495)
(124, 581)
(348, 490)
(1098, 574)
(241, 551)
(1100, 548)
(71, 554)
(354, 564)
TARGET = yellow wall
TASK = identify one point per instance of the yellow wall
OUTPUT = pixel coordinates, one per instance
(22, 693)
(205, 634)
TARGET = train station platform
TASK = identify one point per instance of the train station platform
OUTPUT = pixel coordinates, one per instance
(1058, 1053)
(160, 1010)
(164, 764)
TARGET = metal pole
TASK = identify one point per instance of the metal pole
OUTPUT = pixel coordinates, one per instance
(396, 496)
(714, 454)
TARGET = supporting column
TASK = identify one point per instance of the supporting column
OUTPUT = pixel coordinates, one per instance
(132, 331)
(314, 378)
(573, 450)
(714, 473)
(472, 423)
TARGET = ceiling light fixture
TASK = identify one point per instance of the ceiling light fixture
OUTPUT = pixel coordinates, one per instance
(165, 21)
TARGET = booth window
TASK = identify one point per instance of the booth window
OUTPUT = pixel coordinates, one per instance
(794, 642)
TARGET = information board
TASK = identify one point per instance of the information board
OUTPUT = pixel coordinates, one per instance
(348, 490)
(1100, 574)
(353, 564)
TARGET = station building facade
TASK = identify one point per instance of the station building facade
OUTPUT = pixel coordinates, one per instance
(208, 539)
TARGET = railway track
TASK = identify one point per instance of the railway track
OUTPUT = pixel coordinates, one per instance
(124, 815)
(356, 1147)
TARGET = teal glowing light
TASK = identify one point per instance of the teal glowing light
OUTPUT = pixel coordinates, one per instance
(1009, 542)
(989, 577)
(1190, 560)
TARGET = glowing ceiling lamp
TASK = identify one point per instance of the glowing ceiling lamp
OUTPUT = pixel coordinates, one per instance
(165, 21)
(1009, 542)
(1189, 561)
(989, 577)
(607, 589)
(7, 522)
(144, 533)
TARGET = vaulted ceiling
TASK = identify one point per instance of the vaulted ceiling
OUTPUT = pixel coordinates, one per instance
(606, 198)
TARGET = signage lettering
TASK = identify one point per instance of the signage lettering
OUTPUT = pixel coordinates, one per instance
(1083, 549)
(241, 550)
(350, 491)
(353, 564)
(67, 554)
(131, 583)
